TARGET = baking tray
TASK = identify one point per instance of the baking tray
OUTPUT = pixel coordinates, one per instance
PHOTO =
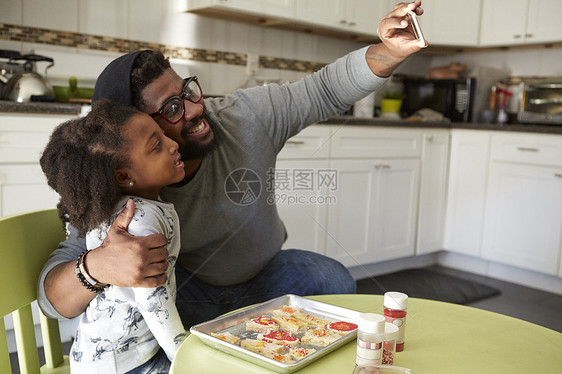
(235, 324)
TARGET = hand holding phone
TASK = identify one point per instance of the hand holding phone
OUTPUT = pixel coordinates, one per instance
(417, 29)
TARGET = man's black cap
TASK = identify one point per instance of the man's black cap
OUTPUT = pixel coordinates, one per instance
(114, 82)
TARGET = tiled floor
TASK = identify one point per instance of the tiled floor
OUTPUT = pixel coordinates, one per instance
(525, 303)
(528, 304)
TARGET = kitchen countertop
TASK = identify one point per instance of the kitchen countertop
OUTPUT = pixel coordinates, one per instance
(39, 107)
(74, 108)
(445, 124)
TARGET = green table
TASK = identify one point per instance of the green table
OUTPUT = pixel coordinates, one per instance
(440, 338)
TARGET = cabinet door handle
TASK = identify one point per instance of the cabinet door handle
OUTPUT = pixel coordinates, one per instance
(295, 142)
(517, 36)
(529, 35)
(351, 24)
(558, 175)
(527, 149)
(343, 22)
(382, 166)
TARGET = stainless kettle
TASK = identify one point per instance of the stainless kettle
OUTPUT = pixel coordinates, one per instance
(28, 85)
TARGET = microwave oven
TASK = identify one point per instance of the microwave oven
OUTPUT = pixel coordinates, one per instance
(541, 103)
(454, 98)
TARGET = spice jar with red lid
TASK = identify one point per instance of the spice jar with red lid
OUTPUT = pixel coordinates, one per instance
(395, 310)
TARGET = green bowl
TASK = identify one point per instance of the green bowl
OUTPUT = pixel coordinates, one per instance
(64, 94)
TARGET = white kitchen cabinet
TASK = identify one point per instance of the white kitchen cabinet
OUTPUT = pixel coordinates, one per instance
(58, 15)
(303, 181)
(468, 170)
(395, 209)
(433, 191)
(332, 17)
(311, 143)
(524, 217)
(374, 218)
(274, 8)
(543, 22)
(23, 185)
(508, 22)
(361, 16)
(351, 219)
(523, 220)
(374, 142)
(302, 203)
(24, 188)
(369, 212)
(451, 22)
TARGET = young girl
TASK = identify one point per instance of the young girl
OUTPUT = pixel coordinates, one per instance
(96, 164)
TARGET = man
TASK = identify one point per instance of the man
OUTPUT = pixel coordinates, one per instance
(231, 249)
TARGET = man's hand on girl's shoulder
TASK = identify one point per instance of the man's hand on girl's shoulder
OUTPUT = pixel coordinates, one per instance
(129, 261)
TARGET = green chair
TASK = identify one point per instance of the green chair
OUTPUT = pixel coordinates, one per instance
(26, 241)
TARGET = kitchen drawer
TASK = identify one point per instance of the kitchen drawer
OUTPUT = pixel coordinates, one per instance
(369, 142)
(527, 148)
(24, 136)
(311, 143)
(26, 147)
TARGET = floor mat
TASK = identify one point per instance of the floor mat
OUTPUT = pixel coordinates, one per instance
(427, 284)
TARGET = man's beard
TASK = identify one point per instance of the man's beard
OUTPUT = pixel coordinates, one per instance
(193, 150)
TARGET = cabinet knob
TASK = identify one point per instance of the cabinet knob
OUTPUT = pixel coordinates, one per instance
(343, 22)
(529, 35)
(558, 175)
(430, 138)
(518, 36)
(351, 24)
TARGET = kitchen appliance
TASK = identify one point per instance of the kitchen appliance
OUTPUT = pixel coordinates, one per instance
(541, 103)
(454, 98)
(19, 80)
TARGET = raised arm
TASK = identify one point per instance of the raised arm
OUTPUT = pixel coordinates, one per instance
(122, 260)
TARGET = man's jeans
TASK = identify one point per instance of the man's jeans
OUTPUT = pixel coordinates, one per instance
(291, 271)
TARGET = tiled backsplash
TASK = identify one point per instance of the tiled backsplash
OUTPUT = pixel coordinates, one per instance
(39, 35)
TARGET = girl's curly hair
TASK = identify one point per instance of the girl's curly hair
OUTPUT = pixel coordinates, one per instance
(148, 66)
(80, 162)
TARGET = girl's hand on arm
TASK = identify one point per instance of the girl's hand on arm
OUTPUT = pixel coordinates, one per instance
(398, 40)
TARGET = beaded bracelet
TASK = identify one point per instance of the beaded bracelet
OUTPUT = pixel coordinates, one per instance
(85, 278)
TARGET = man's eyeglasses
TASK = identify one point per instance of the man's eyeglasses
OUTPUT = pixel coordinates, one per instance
(173, 109)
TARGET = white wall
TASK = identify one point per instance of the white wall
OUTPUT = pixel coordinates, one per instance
(528, 62)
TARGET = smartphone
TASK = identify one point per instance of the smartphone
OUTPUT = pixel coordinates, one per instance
(416, 26)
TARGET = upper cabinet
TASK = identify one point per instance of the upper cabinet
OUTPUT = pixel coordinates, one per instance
(451, 22)
(508, 22)
(355, 16)
(352, 18)
(448, 23)
(273, 8)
